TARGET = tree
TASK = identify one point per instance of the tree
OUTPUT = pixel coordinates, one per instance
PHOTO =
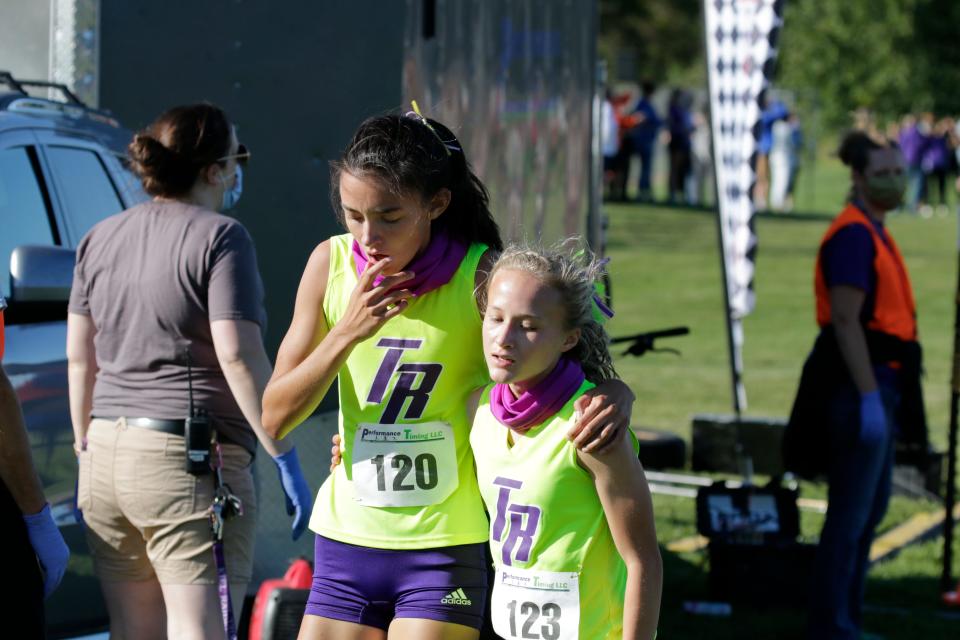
(659, 40)
(848, 54)
(891, 56)
(938, 64)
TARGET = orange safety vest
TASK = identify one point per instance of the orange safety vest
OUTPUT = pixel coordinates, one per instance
(894, 309)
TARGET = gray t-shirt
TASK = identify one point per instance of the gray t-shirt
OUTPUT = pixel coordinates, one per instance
(152, 278)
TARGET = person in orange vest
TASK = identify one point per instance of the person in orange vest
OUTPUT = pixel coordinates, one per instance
(868, 363)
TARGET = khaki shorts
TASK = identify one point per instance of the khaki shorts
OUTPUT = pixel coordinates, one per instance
(145, 515)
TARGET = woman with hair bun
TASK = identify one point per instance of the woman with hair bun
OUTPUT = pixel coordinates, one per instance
(861, 383)
(165, 323)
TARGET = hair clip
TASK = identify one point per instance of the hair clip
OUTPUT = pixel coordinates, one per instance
(448, 145)
(601, 312)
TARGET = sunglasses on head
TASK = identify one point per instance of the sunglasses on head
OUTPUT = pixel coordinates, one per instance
(242, 156)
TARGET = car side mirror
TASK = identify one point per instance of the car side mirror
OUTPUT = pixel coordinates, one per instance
(41, 273)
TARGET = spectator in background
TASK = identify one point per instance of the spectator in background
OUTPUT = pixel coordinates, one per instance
(646, 123)
(893, 131)
(35, 555)
(610, 139)
(620, 165)
(680, 126)
(935, 162)
(864, 120)
(701, 173)
(955, 144)
(925, 123)
(912, 142)
(787, 141)
(796, 156)
(773, 111)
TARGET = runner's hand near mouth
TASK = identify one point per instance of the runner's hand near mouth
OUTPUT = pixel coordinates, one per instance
(371, 305)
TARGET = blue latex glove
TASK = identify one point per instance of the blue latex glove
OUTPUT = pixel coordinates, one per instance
(77, 513)
(48, 544)
(298, 496)
(873, 418)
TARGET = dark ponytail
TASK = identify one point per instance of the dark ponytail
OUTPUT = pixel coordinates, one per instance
(408, 156)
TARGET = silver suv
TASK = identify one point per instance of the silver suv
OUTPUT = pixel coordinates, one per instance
(62, 170)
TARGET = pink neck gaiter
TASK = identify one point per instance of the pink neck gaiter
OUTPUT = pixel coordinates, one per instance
(539, 402)
(432, 268)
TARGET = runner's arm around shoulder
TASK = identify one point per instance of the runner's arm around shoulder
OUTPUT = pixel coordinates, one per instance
(604, 415)
(625, 496)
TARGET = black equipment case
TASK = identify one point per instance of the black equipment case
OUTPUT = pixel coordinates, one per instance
(756, 556)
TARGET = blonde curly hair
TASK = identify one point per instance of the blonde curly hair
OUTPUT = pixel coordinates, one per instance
(573, 271)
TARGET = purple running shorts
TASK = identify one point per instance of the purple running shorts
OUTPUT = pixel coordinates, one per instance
(373, 586)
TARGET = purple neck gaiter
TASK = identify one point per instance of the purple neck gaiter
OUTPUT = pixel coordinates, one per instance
(539, 402)
(432, 268)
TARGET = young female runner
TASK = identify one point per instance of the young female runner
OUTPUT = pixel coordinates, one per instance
(571, 532)
(390, 308)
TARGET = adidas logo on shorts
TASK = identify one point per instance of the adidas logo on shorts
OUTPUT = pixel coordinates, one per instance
(456, 597)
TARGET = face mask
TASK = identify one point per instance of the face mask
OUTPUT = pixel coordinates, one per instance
(231, 196)
(886, 191)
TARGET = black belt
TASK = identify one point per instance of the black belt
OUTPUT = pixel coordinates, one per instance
(175, 427)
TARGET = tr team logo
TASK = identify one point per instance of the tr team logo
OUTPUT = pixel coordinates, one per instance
(524, 519)
(415, 381)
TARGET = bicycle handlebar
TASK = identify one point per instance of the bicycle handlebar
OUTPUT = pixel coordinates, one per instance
(650, 336)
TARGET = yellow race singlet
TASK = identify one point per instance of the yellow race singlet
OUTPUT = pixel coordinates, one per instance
(407, 478)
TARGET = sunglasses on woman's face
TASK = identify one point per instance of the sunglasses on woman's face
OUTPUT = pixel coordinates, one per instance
(242, 156)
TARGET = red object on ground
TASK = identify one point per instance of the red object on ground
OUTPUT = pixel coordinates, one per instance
(952, 597)
(298, 576)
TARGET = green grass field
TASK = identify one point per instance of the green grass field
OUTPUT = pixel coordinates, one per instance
(665, 272)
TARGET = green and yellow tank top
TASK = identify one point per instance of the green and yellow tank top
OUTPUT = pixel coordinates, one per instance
(558, 571)
(407, 478)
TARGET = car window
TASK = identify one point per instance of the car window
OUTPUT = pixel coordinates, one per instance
(23, 214)
(86, 191)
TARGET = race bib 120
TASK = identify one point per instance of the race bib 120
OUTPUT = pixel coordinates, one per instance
(404, 465)
(536, 605)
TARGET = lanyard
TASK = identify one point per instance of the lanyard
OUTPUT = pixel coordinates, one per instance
(225, 505)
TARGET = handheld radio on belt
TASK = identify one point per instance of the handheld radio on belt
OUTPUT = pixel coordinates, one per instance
(196, 432)
(200, 439)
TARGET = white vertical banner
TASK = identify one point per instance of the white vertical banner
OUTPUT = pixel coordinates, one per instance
(741, 37)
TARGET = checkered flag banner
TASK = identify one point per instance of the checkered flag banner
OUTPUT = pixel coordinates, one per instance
(741, 38)
(741, 52)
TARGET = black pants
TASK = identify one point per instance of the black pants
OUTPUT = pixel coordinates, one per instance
(939, 178)
(21, 589)
(620, 167)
